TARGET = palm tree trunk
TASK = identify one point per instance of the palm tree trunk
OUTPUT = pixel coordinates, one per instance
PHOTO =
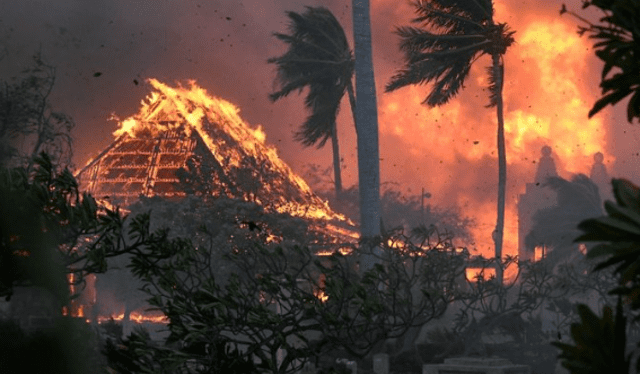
(352, 103)
(367, 125)
(498, 70)
(337, 174)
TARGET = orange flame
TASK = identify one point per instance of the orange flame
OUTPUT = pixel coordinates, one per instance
(451, 150)
(168, 108)
(148, 316)
(473, 274)
(115, 317)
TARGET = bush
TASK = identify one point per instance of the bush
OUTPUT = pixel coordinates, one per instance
(283, 306)
(70, 346)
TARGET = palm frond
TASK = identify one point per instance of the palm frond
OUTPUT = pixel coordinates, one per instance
(462, 16)
(323, 102)
(465, 31)
(416, 39)
(318, 58)
(448, 74)
(321, 30)
(449, 85)
(442, 59)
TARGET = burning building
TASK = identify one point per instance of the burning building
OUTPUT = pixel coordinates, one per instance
(184, 141)
(561, 204)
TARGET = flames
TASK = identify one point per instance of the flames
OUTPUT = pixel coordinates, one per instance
(220, 126)
(550, 85)
(138, 316)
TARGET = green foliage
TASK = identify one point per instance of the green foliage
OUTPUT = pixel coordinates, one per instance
(617, 37)
(599, 343)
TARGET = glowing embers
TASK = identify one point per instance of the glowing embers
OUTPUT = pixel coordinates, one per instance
(326, 253)
(475, 273)
(582, 248)
(148, 317)
(112, 317)
(540, 252)
(137, 316)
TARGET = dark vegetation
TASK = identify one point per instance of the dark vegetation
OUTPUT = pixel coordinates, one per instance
(69, 346)
(400, 210)
(28, 124)
(272, 295)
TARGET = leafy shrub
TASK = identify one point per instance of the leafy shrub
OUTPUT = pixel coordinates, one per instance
(70, 346)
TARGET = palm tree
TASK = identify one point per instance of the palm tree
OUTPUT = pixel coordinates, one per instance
(367, 125)
(459, 32)
(319, 57)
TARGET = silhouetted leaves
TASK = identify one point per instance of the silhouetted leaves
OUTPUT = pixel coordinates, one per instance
(26, 117)
(617, 37)
(599, 343)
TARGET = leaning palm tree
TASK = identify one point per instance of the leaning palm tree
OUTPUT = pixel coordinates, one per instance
(454, 34)
(319, 57)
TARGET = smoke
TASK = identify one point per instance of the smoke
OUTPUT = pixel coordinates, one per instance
(552, 80)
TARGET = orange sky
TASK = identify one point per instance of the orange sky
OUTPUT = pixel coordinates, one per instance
(551, 82)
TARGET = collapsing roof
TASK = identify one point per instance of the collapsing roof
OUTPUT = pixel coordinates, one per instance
(185, 141)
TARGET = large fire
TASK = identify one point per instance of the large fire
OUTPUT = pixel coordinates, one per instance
(176, 123)
(550, 86)
(235, 146)
(451, 150)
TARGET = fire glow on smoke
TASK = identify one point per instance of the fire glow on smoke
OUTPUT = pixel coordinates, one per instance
(451, 150)
(551, 83)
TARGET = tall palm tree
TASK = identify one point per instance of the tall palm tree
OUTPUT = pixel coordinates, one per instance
(319, 57)
(367, 125)
(454, 34)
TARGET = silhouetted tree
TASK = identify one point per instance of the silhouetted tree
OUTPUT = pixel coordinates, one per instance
(319, 58)
(49, 229)
(26, 117)
(465, 30)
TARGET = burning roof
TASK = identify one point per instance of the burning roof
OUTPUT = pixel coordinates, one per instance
(184, 140)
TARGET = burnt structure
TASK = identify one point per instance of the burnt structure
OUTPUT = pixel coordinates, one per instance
(539, 196)
(184, 141)
(164, 154)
